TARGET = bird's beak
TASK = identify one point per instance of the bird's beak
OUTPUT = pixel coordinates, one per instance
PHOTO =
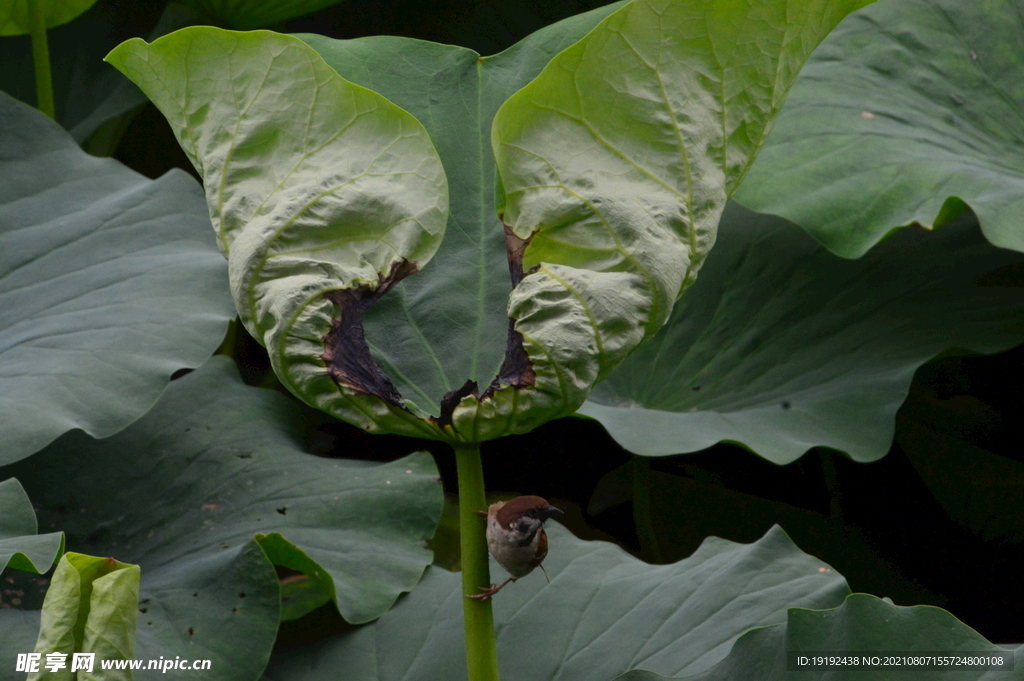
(551, 511)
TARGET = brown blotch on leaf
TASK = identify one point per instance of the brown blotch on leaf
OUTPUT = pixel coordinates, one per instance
(346, 352)
(451, 400)
(517, 369)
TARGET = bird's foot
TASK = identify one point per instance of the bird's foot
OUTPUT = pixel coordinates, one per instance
(486, 592)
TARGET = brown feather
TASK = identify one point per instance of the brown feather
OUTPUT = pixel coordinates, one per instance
(511, 510)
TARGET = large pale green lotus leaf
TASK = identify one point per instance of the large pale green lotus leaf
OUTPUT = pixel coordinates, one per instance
(907, 111)
(568, 359)
(20, 547)
(110, 283)
(90, 607)
(603, 613)
(865, 624)
(212, 487)
(15, 17)
(782, 346)
(248, 14)
(316, 186)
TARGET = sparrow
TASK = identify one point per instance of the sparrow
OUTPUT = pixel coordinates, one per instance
(516, 538)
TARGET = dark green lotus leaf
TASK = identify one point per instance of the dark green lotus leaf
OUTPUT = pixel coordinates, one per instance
(87, 92)
(863, 623)
(604, 612)
(111, 283)
(20, 628)
(979, 489)
(20, 547)
(15, 16)
(906, 113)
(249, 14)
(782, 346)
(208, 490)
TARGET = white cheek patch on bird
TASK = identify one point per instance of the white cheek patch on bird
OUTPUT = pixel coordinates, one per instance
(516, 538)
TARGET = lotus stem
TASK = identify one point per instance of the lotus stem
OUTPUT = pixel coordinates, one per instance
(481, 651)
(41, 59)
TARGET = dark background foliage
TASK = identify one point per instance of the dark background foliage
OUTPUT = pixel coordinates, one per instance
(906, 546)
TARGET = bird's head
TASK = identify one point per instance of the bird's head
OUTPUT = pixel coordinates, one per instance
(525, 514)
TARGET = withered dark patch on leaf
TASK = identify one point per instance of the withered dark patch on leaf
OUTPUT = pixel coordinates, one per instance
(451, 400)
(346, 352)
(516, 370)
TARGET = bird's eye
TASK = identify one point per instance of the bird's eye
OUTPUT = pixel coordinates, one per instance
(532, 513)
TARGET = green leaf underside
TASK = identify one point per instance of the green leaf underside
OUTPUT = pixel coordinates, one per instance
(222, 463)
(782, 346)
(246, 14)
(603, 613)
(862, 623)
(20, 547)
(109, 283)
(575, 330)
(908, 110)
(90, 607)
(15, 19)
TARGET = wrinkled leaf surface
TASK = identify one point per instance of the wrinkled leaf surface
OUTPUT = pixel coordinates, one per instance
(642, 175)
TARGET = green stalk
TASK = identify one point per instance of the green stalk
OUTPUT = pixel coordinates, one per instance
(481, 651)
(642, 510)
(41, 59)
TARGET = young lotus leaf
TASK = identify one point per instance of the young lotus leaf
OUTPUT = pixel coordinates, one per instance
(645, 176)
(16, 15)
(604, 612)
(20, 547)
(782, 346)
(90, 607)
(110, 284)
(221, 491)
(906, 114)
(868, 626)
